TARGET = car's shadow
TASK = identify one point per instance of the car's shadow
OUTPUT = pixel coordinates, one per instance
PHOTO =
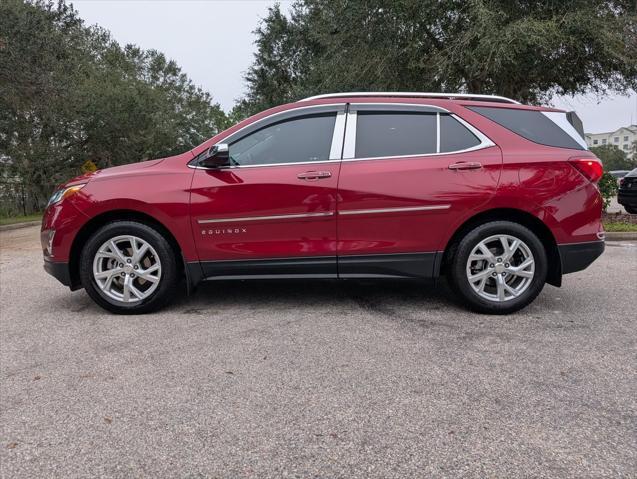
(398, 299)
(311, 293)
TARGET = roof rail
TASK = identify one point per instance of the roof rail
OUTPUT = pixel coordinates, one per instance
(465, 96)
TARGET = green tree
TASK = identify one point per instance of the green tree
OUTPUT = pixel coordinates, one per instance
(613, 158)
(70, 93)
(527, 50)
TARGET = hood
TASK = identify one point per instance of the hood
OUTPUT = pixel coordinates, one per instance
(131, 169)
(122, 170)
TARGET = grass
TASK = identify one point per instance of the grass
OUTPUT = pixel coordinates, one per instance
(19, 219)
(620, 226)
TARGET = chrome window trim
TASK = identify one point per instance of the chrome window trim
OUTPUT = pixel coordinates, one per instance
(449, 96)
(394, 210)
(265, 165)
(349, 149)
(265, 218)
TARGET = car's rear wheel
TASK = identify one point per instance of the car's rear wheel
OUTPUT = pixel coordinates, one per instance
(129, 268)
(498, 268)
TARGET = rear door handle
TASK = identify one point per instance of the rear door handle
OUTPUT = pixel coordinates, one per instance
(314, 175)
(465, 165)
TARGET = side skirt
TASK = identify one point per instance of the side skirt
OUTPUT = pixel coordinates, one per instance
(401, 265)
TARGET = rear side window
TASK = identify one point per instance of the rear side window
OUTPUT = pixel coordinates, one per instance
(530, 124)
(382, 134)
(454, 136)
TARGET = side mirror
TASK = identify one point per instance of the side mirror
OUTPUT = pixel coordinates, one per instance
(216, 157)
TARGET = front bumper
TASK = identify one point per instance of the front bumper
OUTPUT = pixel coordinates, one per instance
(59, 271)
(579, 256)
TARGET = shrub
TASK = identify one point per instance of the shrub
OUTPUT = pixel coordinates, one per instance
(608, 188)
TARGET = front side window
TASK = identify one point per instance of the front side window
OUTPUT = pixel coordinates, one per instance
(530, 124)
(302, 139)
(385, 133)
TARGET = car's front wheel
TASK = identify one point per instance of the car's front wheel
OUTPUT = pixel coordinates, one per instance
(128, 267)
(498, 268)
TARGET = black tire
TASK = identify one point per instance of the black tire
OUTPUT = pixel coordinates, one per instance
(168, 280)
(631, 210)
(457, 268)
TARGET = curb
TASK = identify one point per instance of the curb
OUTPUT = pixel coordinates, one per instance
(15, 226)
(621, 236)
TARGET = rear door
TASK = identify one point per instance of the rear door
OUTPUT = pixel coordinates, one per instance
(408, 172)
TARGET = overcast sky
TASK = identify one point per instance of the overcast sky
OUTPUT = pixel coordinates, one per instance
(212, 41)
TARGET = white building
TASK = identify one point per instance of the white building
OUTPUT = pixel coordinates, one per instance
(622, 138)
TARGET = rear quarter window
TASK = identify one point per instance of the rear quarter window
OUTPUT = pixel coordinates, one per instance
(529, 124)
(454, 136)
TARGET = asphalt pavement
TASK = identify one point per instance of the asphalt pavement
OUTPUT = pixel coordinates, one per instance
(318, 379)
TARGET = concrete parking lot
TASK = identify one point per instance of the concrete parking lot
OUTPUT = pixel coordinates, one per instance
(318, 379)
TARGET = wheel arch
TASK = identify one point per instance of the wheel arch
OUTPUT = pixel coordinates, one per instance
(102, 219)
(537, 226)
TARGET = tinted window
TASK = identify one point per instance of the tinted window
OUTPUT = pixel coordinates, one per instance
(292, 141)
(381, 134)
(530, 124)
(454, 136)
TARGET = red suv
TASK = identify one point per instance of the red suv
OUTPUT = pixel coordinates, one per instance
(498, 196)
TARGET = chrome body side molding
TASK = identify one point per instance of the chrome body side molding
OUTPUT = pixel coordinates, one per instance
(405, 209)
(265, 218)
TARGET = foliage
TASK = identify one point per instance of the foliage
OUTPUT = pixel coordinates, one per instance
(622, 227)
(613, 158)
(88, 167)
(608, 188)
(19, 219)
(526, 50)
(71, 94)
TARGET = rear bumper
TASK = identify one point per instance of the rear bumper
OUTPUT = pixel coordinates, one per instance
(627, 199)
(59, 271)
(578, 256)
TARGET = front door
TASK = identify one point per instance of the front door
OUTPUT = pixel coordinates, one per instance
(409, 172)
(273, 211)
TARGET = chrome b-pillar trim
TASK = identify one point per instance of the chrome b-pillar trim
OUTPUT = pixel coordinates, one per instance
(337, 138)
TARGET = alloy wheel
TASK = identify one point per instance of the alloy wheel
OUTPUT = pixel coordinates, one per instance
(127, 269)
(500, 268)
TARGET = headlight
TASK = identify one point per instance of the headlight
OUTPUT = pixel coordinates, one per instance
(62, 193)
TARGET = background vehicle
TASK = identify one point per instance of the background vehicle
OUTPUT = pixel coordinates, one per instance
(627, 195)
(619, 174)
(498, 196)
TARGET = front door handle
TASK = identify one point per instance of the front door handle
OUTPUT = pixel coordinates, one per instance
(314, 175)
(465, 165)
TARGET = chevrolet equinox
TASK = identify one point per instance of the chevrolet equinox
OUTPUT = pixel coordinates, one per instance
(499, 197)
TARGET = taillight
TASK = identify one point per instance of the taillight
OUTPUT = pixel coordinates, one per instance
(591, 168)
